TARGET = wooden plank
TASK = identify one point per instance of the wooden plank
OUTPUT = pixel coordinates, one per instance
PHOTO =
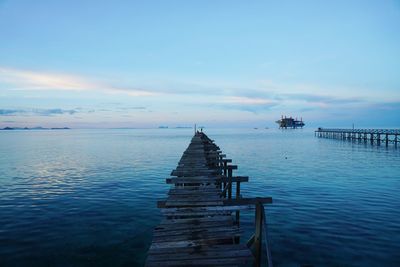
(199, 230)
(203, 179)
(207, 209)
(193, 173)
(194, 187)
(200, 249)
(202, 262)
(185, 180)
(193, 226)
(185, 204)
(191, 191)
(197, 220)
(191, 243)
(227, 252)
(248, 201)
(195, 234)
(194, 191)
(195, 197)
(194, 214)
(227, 204)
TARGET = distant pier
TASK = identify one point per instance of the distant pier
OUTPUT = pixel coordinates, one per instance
(201, 225)
(373, 136)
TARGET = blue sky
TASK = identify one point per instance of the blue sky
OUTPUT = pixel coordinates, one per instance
(216, 63)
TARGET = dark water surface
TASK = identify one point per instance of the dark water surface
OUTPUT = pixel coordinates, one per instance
(88, 197)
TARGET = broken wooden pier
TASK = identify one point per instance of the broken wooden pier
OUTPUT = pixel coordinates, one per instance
(201, 224)
(373, 136)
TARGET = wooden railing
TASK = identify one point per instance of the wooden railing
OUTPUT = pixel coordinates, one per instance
(259, 240)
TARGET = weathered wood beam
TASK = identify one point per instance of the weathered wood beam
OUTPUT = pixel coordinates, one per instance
(248, 202)
(216, 179)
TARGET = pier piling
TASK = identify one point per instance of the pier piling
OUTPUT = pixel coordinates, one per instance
(388, 136)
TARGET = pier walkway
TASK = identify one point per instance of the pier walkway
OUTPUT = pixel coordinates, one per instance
(374, 136)
(201, 225)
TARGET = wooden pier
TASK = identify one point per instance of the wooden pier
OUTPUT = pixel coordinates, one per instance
(373, 136)
(201, 225)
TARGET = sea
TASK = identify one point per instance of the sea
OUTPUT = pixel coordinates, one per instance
(87, 197)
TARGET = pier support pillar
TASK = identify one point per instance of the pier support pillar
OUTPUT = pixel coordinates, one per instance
(237, 197)
(230, 183)
(258, 235)
(225, 174)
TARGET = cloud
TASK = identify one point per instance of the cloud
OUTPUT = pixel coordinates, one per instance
(249, 93)
(244, 103)
(388, 106)
(326, 99)
(249, 108)
(251, 96)
(131, 108)
(33, 80)
(247, 100)
(258, 101)
(38, 112)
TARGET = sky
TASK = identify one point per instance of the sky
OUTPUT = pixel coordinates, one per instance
(106, 64)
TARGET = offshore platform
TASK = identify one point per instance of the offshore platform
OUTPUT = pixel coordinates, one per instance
(285, 122)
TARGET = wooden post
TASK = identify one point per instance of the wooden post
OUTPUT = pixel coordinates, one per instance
(221, 166)
(378, 139)
(237, 197)
(258, 235)
(237, 215)
(265, 235)
(225, 168)
(230, 183)
(225, 174)
(387, 140)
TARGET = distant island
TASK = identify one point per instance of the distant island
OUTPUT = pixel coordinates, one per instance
(34, 128)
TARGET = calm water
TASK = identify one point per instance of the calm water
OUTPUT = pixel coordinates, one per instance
(88, 197)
